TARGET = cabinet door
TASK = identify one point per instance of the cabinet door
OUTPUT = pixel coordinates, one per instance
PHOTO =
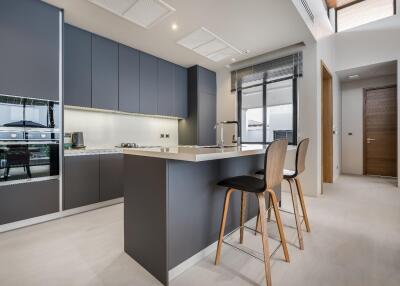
(111, 176)
(77, 67)
(28, 200)
(165, 105)
(29, 49)
(207, 81)
(180, 92)
(148, 84)
(206, 118)
(104, 73)
(128, 79)
(81, 181)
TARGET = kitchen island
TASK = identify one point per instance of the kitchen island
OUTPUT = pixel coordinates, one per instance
(173, 206)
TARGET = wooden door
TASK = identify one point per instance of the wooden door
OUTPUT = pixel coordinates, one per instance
(327, 125)
(380, 131)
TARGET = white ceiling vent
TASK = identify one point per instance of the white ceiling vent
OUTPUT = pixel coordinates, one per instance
(144, 13)
(209, 45)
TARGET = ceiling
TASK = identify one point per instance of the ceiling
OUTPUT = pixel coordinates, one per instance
(370, 71)
(260, 27)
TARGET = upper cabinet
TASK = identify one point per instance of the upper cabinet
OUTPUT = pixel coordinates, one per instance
(148, 84)
(104, 73)
(198, 128)
(129, 91)
(180, 92)
(165, 103)
(77, 67)
(29, 49)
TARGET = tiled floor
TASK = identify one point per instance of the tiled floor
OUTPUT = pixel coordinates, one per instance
(355, 240)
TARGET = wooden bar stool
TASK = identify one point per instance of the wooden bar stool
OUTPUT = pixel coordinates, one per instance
(293, 176)
(273, 164)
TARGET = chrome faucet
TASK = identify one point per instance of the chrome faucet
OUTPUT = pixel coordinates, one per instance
(221, 132)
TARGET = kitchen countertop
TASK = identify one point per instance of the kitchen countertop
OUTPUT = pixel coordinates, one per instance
(91, 151)
(198, 153)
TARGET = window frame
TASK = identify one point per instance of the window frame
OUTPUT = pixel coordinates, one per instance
(354, 3)
(294, 115)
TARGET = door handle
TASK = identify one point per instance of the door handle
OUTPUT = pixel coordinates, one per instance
(369, 140)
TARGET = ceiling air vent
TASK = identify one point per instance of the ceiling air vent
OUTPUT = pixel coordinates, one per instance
(308, 10)
(209, 45)
(144, 13)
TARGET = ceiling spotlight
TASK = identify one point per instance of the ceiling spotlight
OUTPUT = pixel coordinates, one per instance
(174, 27)
(233, 60)
(354, 76)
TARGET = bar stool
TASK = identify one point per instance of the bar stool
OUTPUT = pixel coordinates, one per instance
(273, 164)
(293, 176)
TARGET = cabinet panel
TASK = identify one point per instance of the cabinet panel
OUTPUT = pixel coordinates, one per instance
(165, 88)
(111, 176)
(29, 49)
(81, 181)
(180, 92)
(206, 116)
(129, 96)
(28, 200)
(77, 67)
(206, 81)
(148, 84)
(104, 73)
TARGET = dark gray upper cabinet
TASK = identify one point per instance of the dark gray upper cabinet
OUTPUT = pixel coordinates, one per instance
(180, 92)
(129, 88)
(165, 88)
(28, 200)
(198, 127)
(111, 176)
(77, 67)
(29, 49)
(207, 81)
(81, 181)
(148, 84)
(104, 73)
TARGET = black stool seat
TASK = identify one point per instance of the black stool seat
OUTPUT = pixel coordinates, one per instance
(244, 183)
(287, 174)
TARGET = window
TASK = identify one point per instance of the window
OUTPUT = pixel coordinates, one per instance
(267, 100)
(357, 13)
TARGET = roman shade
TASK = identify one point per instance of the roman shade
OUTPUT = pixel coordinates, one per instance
(290, 66)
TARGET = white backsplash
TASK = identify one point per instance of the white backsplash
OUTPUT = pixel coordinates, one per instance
(106, 129)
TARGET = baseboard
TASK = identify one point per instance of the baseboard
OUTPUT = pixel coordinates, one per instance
(57, 215)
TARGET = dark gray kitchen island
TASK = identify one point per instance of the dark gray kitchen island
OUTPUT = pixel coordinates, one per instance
(172, 204)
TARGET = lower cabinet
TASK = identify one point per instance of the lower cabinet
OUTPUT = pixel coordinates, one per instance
(89, 179)
(81, 181)
(28, 200)
(111, 180)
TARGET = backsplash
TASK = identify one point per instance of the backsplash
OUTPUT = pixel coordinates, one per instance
(107, 129)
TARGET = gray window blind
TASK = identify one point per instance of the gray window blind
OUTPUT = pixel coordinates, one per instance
(281, 68)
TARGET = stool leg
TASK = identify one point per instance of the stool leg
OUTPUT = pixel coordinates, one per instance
(223, 222)
(264, 234)
(302, 203)
(296, 215)
(279, 223)
(257, 223)
(269, 209)
(242, 216)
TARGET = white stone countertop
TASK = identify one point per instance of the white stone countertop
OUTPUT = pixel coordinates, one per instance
(91, 151)
(199, 153)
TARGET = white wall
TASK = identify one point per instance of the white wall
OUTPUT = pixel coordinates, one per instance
(106, 129)
(352, 121)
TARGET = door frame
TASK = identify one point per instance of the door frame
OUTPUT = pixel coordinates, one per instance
(326, 125)
(365, 90)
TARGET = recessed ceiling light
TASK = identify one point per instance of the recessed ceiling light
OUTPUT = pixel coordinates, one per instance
(174, 27)
(233, 60)
(354, 76)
